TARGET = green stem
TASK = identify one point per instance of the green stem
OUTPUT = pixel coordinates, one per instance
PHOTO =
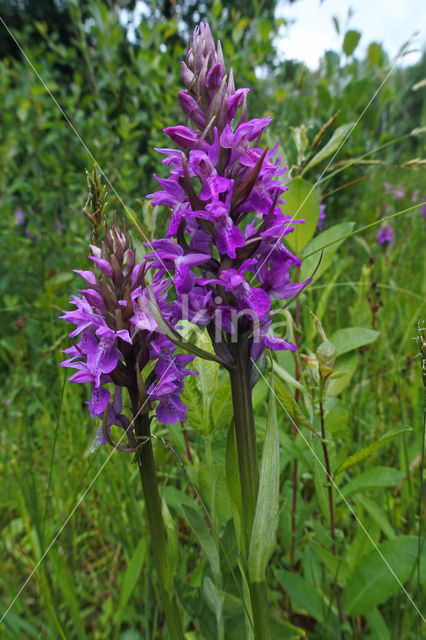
(249, 474)
(156, 524)
(330, 499)
(293, 512)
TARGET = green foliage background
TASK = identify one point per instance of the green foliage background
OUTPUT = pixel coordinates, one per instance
(113, 98)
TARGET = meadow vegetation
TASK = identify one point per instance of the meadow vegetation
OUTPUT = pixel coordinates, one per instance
(354, 130)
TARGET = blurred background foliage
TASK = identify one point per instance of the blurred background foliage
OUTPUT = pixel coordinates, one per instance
(99, 86)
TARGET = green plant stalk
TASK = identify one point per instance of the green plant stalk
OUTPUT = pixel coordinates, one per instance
(293, 511)
(155, 521)
(249, 474)
(330, 496)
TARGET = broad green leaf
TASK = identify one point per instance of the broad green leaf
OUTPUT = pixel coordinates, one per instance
(284, 630)
(214, 597)
(374, 446)
(192, 601)
(303, 594)
(266, 517)
(351, 41)
(232, 605)
(352, 338)
(301, 202)
(344, 368)
(221, 409)
(377, 625)
(213, 489)
(130, 580)
(208, 371)
(327, 241)
(173, 544)
(204, 537)
(376, 578)
(286, 377)
(372, 479)
(300, 137)
(176, 499)
(377, 513)
(374, 53)
(337, 566)
(336, 141)
(193, 400)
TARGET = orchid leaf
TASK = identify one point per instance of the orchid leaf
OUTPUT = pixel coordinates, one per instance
(266, 517)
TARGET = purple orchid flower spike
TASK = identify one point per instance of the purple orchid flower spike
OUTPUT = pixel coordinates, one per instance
(224, 192)
(119, 336)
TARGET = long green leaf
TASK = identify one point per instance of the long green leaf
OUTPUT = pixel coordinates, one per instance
(266, 517)
(130, 580)
(344, 368)
(291, 406)
(208, 371)
(301, 202)
(337, 566)
(377, 625)
(372, 479)
(303, 594)
(221, 409)
(207, 543)
(192, 398)
(352, 338)
(376, 578)
(233, 485)
(327, 241)
(374, 446)
(332, 145)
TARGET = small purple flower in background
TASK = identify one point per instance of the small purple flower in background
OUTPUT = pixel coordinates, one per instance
(19, 215)
(385, 235)
(322, 215)
(423, 210)
(396, 191)
(119, 337)
(224, 241)
(415, 195)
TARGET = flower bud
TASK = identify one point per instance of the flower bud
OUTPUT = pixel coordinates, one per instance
(128, 262)
(190, 107)
(187, 77)
(326, 355)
